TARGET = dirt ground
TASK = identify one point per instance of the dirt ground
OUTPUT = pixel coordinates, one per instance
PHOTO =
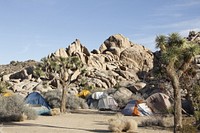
(76, 122)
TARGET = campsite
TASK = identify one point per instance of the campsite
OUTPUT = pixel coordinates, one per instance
(101, 108)
(99, 66)
(79, 122)
(122, 87)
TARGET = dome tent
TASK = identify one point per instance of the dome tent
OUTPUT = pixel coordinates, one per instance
(136, 108)
(38, 103)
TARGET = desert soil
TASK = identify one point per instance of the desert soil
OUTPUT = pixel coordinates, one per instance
(76, 122)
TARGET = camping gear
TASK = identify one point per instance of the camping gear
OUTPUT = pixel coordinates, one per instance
(187, 106)
(7, 94)
(98, 95)
(137, 108)
(38, 103)
(84, 93)
(159, 102)
(101, 101)
(107, 103)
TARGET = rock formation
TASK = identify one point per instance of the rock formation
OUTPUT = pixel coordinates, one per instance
(118, 63)
(117, 60)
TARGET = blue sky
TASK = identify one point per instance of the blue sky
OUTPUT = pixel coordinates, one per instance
(31, 29)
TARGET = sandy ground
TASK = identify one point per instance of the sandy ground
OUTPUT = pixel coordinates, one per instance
(77, 122)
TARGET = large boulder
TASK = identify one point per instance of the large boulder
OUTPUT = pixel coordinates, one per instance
(115, 44)
(96, 61)
(77, 47)
(23, 74)
(61, 53)
(123, 93)
(137, 57)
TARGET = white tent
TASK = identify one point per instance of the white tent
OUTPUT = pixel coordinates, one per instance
(107, 103)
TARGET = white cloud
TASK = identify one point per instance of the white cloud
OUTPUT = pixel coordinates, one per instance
(147, 41)
(187, 4)
(166, 14)
(25, 49)
(175, 8)
(194, 23)
(42, 45)
(185, 33)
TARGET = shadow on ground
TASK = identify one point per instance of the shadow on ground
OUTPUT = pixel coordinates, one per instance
(12, 124)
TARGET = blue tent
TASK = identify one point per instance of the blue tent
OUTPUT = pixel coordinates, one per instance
(38, 103)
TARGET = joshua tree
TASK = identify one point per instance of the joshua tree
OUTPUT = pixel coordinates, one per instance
(62, 70)
(176, 54)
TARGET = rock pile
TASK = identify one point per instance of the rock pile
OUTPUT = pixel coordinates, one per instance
(117, 63)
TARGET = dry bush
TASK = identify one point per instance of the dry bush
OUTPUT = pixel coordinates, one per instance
(72, 101)
(13, 108)
(158, 121)
(30, 113)
(120, 124)
(188, 129)
(4, 86)
(153, 121)
(53, 98)
(55, 111)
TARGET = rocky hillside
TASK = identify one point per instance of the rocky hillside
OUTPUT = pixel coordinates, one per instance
(15, 66)
(118, 63)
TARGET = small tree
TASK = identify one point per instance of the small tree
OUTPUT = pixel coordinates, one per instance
(62, 70)
(176, 54)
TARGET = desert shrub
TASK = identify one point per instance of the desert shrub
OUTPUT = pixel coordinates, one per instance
(38, 72)
(53, 98)
(121, 124)
(30, 113)
(13, 107)
(3, 86)
(74, 102)
(153, 121)
(197, 118)
(188, 129)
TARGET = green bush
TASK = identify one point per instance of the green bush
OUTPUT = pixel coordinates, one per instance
(13, 108)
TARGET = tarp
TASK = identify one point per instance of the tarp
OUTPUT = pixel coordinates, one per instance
(98, 95)
(102, 102)
(7, 94)
(107, 103)
(38, 103)
(137, 108)
(159, 102)
(84, 93)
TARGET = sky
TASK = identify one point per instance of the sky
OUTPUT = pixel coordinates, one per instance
(32, 29)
